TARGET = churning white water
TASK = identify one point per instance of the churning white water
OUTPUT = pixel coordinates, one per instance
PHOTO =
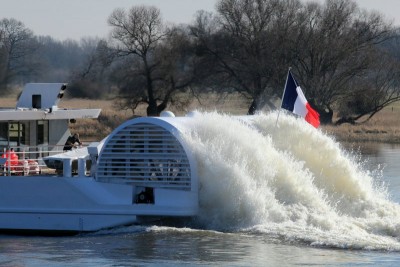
(290, 181)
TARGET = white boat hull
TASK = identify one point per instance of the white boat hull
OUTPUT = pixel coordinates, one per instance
(63, 222)
(81, 204)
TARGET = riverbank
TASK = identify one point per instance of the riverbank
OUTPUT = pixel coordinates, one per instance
(383, 127)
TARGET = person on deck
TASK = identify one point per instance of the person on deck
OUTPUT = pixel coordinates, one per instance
(11, 156)
(71, 142)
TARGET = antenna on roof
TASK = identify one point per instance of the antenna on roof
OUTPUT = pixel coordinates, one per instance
(61, 93)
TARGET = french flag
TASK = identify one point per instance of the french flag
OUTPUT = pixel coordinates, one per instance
(295, 101)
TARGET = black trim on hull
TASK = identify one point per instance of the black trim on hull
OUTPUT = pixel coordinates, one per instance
(38, 232)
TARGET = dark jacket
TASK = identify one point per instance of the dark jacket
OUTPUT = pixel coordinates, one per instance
(71, 141)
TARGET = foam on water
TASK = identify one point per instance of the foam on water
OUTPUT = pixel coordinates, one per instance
(290, 181)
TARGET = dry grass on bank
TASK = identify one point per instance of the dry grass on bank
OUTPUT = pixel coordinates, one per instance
(383, 127)
(111, 116)
(91, 129)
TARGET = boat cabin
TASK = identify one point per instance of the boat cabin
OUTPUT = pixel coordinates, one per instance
(37, 124)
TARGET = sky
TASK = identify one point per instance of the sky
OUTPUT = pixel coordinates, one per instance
(75, 19)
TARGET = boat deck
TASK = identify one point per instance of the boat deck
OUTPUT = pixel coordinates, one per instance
(29, 161)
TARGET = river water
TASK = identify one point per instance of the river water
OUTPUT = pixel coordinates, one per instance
(285, 195)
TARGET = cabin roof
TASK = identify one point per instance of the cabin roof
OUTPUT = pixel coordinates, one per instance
(58, 114)
(49, 94)
(39, 101)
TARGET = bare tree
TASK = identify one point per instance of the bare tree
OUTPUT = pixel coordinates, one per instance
(335, 44)
(249, 45)
(91, 77)
(138, 34)
(177, 70)
(17, 47)
(372, 92)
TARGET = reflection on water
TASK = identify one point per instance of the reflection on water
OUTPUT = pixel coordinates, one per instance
(385, 157)
(171, 247)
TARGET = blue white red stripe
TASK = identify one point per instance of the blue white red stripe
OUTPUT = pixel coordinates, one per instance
(295, 101)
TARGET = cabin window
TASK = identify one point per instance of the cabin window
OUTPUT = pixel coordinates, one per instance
(25, 134)
(42, 132)
(37, 101)
(14, 132)
(18, 133)
(3, 135)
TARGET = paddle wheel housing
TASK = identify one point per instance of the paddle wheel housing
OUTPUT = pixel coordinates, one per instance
(150, 154)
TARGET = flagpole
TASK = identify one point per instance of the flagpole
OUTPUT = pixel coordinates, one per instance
(283, 94)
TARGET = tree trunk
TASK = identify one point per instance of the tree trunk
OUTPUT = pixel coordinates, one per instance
(325, 117)
(343, 120)
(252, 108)
(152, 109)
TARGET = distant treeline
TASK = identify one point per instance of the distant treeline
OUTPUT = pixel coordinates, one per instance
(346, 59)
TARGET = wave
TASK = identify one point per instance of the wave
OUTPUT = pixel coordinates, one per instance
(288, 179)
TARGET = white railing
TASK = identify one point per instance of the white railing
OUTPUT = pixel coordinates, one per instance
(27, 160)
